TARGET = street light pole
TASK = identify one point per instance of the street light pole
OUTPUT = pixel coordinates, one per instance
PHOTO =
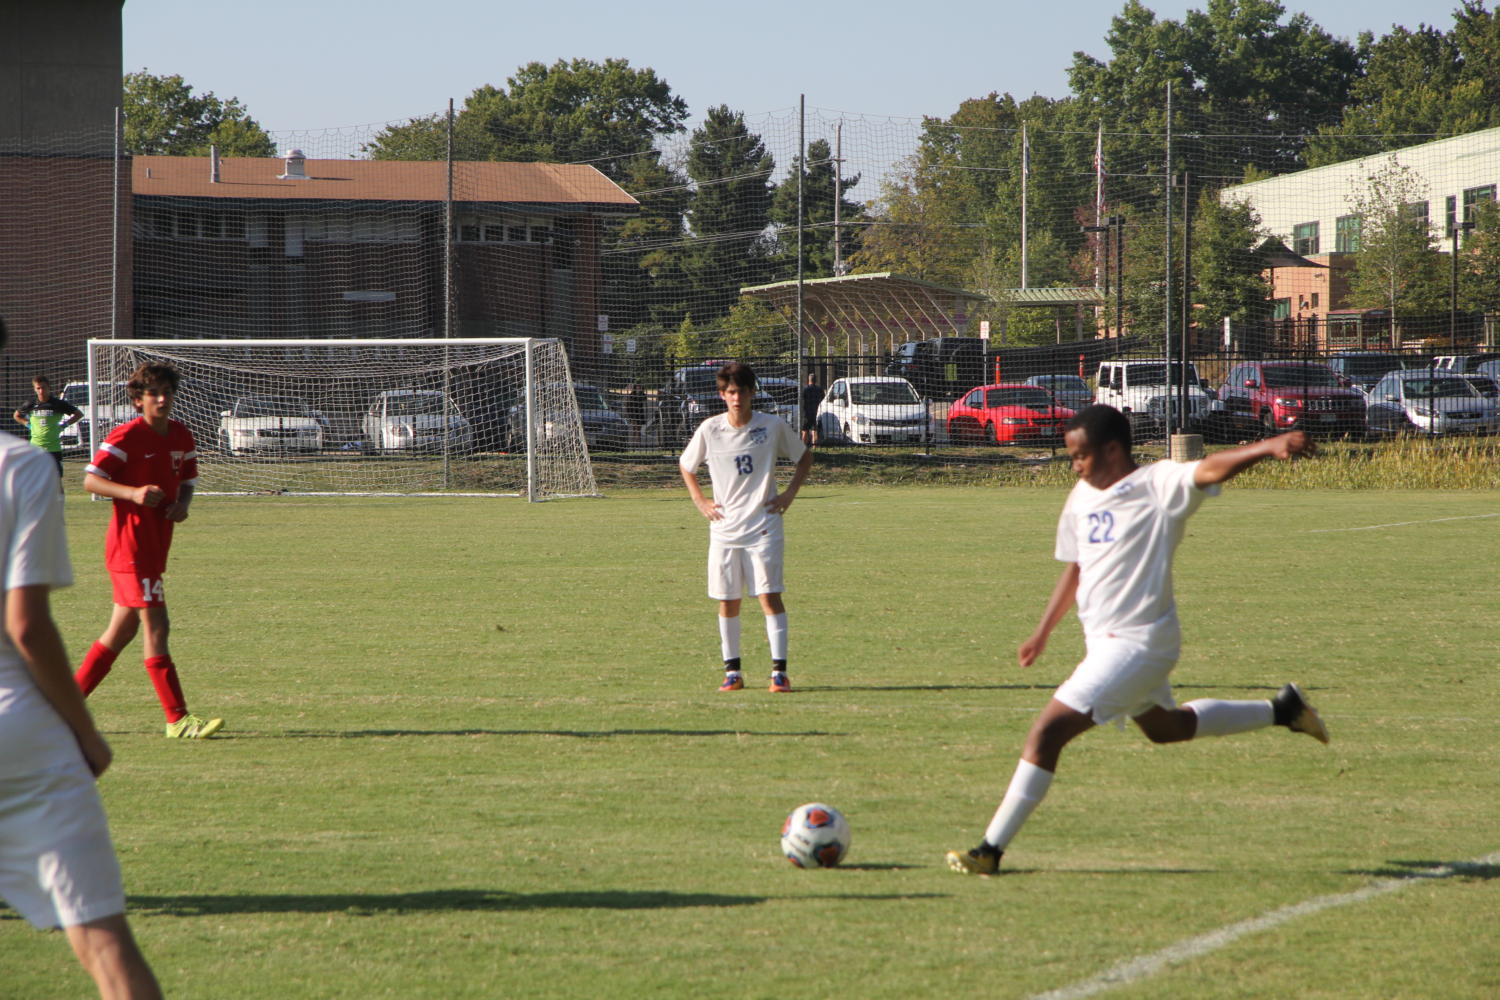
(1118, 222)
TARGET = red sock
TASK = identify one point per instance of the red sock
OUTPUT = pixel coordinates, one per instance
(164, 678)
(95, 666)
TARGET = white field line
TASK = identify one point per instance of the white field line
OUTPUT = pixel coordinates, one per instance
(1401, 524)
(1136, 969)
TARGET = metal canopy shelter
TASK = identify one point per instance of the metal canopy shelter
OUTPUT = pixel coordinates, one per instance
(858, 312)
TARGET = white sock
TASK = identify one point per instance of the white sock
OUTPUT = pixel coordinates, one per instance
(1028, 786)
(1223, 718)
(729, 637)
(776, 632)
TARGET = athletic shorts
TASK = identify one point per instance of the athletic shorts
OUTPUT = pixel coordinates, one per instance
(57, 864)
(735, 571)
(1120, 677)
(133, 591)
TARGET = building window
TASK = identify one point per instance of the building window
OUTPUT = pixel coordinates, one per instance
(1305, 238)
(1473, 196)
(1415, 213)
(1346, 234)
(1450, 214)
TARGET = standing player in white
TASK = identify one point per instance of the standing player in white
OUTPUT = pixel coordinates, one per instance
(1118, 532)
(57, 865)
(745, 541)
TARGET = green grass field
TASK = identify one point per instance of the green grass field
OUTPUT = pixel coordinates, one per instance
(473, 749)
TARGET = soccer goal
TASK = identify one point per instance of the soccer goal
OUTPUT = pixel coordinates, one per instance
(461, 417)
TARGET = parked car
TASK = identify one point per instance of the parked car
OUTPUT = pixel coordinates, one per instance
(1462, 363)
(1007, 414)
(1362, 369)
(940, 367)
(1141, 389)
(1418, 400)
(1490, 368)
(107, 415)
(1069, 390)
(874, 409)
(1276, 396)
(415, 420)
(271, 425)
(603, 428)
(1487, 386)
(691, 397)
(784, 393)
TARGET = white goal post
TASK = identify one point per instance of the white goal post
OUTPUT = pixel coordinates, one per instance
(415, 417)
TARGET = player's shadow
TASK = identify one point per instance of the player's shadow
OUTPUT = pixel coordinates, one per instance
(433, 901)
(581, 734)
(927, 687)
(462, 901)
(1413, 869)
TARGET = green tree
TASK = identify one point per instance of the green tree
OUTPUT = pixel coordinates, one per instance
(820, 190)
(646, 280)
(1228, 279)
(1396, 267)
(730, 212)
(163, 117)
(755, 330)
(579, 111)
(1479, 262)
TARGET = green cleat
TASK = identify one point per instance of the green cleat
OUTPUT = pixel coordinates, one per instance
(191, 727)
(975, 861)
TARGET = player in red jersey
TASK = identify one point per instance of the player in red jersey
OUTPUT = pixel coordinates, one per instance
(148, 467)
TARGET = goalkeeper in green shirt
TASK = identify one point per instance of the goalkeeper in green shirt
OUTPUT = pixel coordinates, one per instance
(45, 417)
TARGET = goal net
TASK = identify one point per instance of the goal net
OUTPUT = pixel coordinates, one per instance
(470, 417)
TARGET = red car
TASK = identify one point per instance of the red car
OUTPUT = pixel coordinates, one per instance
(1007, 414)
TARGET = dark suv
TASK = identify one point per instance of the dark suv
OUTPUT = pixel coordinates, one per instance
(941, 367)
(1281, 396)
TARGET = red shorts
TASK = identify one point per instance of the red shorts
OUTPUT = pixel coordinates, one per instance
(133, 591)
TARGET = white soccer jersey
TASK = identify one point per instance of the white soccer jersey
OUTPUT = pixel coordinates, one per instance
(33, 550)
(1123, 539)
(742, 467)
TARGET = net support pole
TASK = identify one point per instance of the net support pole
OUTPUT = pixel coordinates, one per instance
(801, 221)
(530, 389)
(114, 237)
(1171, 413)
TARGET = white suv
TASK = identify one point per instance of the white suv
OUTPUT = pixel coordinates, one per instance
(1139, 389)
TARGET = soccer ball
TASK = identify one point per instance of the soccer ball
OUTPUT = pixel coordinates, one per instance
(815, 836)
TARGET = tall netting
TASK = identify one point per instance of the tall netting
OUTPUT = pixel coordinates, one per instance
(998, 244)
(462, 416)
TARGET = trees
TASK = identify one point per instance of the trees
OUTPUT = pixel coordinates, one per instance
(819, 192)
(163, 117)
(730, 211)
(1396, 268)
(579, 111)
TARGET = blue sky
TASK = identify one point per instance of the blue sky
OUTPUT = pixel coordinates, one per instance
(323, 64)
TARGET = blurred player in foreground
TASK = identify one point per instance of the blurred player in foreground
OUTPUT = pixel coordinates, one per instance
(57, 864)
(1117, 535)
(745, 541)
(149, 468)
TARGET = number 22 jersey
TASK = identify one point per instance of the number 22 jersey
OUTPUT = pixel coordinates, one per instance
(1123, 539)
(742, 466)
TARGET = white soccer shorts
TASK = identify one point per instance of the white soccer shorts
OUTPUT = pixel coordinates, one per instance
(1119, 678)
(57, 864)
(737, 570)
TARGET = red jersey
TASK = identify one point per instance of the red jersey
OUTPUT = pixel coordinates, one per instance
(135, 455)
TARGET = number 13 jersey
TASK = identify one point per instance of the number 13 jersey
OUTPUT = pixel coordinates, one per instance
(742, 467)
(1123, 539)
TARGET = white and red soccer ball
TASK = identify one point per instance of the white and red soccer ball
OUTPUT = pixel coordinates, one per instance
(815, 835)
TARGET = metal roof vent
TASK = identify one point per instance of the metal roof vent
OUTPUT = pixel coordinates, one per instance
(296, 167)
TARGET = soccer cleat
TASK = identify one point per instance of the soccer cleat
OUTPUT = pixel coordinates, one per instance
(1290, 708)
(779, 683)
(733, 682)
(975, 861)
(191, 727)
